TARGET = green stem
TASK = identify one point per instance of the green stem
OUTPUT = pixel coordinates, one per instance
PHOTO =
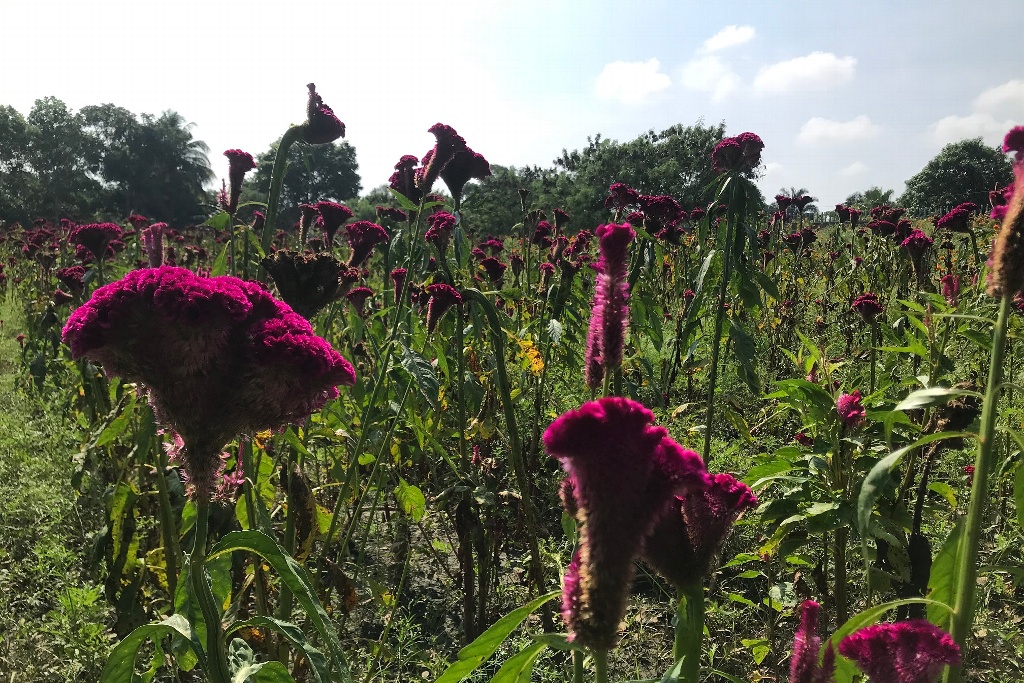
(577, 666)
(460, 381)
(967, 576)
(600, 666)
(172, 551)
(217, 664)
(689, 633)
(276, 183)
(716, 345)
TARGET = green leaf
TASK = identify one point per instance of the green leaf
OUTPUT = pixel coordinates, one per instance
(481, 649)
(403, 201)
(555, 331)
(118, 425)
(411, 499)
(519, 668)
(943, 577)
(294, 576)
(944, 490)
(933, 396)
(1018, 494)
(743, 347)
(558, 641)
(423, 373)
(120, 667)
(244, 666)
(219, 221)
(294, 635)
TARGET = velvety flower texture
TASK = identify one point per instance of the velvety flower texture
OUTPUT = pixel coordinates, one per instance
(739, 154)
(442, 297)
(1014, 142)
(609, 317)
(71, 277)
(624, 474)
(449, 144)
(321, 125)
(219, 356)
(620, 195)
(1006, 276)
(95, 237)
(358, 297)
(363, 236)
(913, 651)
(307, 283)
(442, 225)
(950, 288)
(332, 217)
(868, 306)
(239, 163)
(686, 542)
(850, 410)
(398, 277)
(916, 243)
(804, 667)
(957, 220)
(464, 165)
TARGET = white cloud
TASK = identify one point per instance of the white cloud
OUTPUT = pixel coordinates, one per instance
(631, 82)
(855, 169)
(996, 111)
(816, 71)
(729, 37)
(710, 74)
(819, 130)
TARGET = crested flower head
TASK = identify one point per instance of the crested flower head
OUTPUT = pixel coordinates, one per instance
(403, 180)
(219, 356)
(850, 410)
(332, 216)
(95, 237)
(1006, 276)
(621, 195)
(442, 297)
(916, 243)
(448, 145)
(307, 283)
(239, 163)
(494, 268)
(465, 164)
(913, 651)
(357, 297)
(868, 306)
(71, 277)
(625, 473)
(363, 236)
(804, 667)
(958, 219)
(398, 277)
(843, 212)
(783, 201)
(390, 213)
(727, 156)
(1014, 142)
(442, 225)
(321, 125)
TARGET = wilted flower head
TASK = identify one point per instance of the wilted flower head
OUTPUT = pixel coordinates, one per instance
(95, 237)
(332, 216)
(363, 236)
(306, 283)
(804, 667)
(442, 297)
(321, 125)
(850, 410)
(239, 163)
(449, 143)
(219, 356)
(625, 474)
(913, 651)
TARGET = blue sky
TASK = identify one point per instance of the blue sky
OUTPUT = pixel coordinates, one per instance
(845, 95)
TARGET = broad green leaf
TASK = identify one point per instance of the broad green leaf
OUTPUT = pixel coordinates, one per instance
(519, 668)
(423, 373)
(558, 641)
(943, 578)
(931, 397)
(944, 490)
(244, 666)
(294, 635)
(411, 499)
(120, 666)
(481, 649)
(403, 201)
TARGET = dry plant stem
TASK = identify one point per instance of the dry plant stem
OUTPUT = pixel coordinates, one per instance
(215, 656)
(967, 575)
(689, 631)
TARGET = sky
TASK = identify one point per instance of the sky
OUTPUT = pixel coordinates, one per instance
(845, 95)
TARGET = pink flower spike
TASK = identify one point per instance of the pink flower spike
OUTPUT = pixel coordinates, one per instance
(850, 410)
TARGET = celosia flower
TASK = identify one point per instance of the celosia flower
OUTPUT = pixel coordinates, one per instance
(398, 277)
(625, 474)
(390, 214)
(697, 214)
(850, 410)
(752, 145)
(259, 219)
(1006, 276)
(449, 143)
(803, 666)
(95, 237)
(517, 263)
(913, 651)
(442, 297)
(804, 439)
(803, 201)
(464, 164)
(783, 202)
(332, 216)
(363, 236)
(403, 180)
(70, 277)
(321, 125)
(239, 163)
(685, 544)
(561, 218)
(307, 283)
(218, 356)
(727, 156)
(868, 306)
(442, 225)
(357, 297)
(493, 245)
(609, 316)
(843, 212)
(137, 220)
(153, 243)
(620, 195)
(950, 288)
(916, 244)
(494, 268)
(1014, 142)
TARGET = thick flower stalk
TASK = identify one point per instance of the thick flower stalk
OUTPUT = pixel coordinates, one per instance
(905, 652)
(609, 317)
(624, 475)
(218, 356)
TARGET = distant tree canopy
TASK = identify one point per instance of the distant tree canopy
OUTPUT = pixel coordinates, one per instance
(315, 173)
(675, 161)
(103, 161)
(869, 198)
(964, 171)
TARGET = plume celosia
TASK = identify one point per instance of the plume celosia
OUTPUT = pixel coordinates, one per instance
(239, 163)
(609, 316)
(804, 666)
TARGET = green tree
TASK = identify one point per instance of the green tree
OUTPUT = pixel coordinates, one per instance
(16, 178)
(869, 198)
(315, 173)
(962, 172)
(64, 160)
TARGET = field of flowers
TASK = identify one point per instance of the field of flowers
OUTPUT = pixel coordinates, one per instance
(702, 443)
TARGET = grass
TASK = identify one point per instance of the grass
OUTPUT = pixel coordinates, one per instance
(52, 616)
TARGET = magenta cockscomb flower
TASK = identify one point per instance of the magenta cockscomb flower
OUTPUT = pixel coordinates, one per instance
(357, 298)
(803, 201)
(783, 202)
(442, 225)
(624, 474)
(561, 218)
(136, 220)
(218, 356)
(804, 666)
(332, 217)
(843, 212)
(95, 237)
(494, 269)
(868, 306)
(363, 236)
(239, 163)
(957, 220)
(621, 195)
(950, 288)
(321, 125)
(727, 156)
(913, 651)
(464, 165)
(403, 180)
(685, 544)
(751, 145)
(850, 410)
(609, 317)
(448, 145)
(517, 263)
(70, 277)
(916, 243)
(398, 277)
(153, 243)
(1014, 142)
(442, 297)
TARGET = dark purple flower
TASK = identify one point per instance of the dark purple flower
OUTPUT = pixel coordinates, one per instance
(442, 297)
(442, 225)
(624, 474)
(843, 212)
(957, 220)
(449, 143)
(802, 201)
(391, 214)
(868, 306)
(70, 277)
(464, 164)
(561, 218)
(403, 180)
(95, 237)
(494, 268)
(804, 439)
(239, 163)
(219, 356)
(850, 410)
(950, 288)
(913, 651)
(882, 228)
(307, 283)
(357, 297)
(321, 125)
(398, 277)
(783, 202)
(804, 667)
(363, 236)
(916, 243)
(332, 216)
(620, 195)
(727, 156)
(609, 316)
(153, 243)
(1014, 142)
